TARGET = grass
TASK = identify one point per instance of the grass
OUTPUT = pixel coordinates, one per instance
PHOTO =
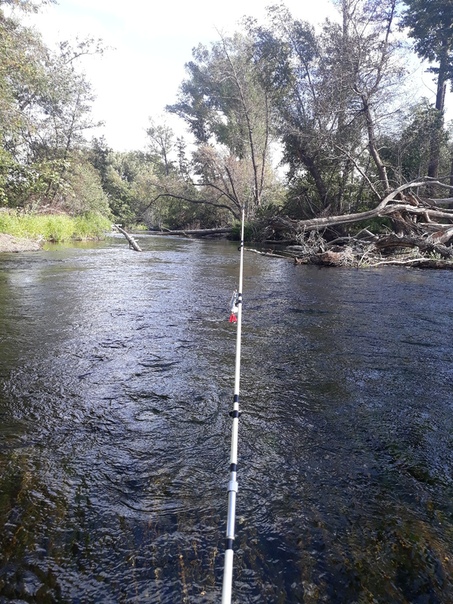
(53, 227)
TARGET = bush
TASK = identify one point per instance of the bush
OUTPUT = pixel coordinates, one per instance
(91, 225)
(249, 231)
(9, 223)
(53, 227)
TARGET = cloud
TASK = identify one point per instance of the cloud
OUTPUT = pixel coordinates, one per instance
(150, 44)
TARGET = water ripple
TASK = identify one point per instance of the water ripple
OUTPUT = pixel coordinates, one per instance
(117, 375)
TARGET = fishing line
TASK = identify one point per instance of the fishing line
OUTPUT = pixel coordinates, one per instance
(236, 317)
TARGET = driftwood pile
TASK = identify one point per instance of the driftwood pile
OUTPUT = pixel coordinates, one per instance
(421, 233)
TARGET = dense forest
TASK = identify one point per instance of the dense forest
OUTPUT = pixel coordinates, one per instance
(306, 128)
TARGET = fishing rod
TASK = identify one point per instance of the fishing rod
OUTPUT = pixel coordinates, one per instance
(236, 309)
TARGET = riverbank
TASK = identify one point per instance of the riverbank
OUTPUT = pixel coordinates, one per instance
(23, 231)
(8, 243)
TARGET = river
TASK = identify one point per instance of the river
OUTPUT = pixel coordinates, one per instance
(116, 379)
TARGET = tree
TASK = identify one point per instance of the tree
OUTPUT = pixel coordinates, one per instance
(183, 162)
(335, 91)
(98, 155)
(161, 144)
(22, 74)
(61, 115)
(26, 5)
(227, 108)
(407, 151)
(82, 184)
(430, 24)
(56, 121)
(45, 105)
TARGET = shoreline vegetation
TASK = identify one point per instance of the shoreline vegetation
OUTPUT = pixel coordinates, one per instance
(26, 232)
(22, 232)
(335, 106)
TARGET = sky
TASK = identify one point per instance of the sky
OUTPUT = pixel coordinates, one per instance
(149, 43)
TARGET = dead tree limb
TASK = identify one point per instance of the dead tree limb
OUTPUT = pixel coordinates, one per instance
(132, 243)
(381, 210)
(422, 232)
(416, 263)
(196, 232)
(393, 241)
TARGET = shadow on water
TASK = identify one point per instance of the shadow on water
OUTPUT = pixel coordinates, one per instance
(116, 376)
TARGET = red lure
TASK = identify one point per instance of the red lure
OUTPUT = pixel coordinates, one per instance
(234, 309)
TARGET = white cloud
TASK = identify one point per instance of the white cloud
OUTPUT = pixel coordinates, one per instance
(152, 42)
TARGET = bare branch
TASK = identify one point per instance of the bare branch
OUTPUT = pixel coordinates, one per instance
(192, 200)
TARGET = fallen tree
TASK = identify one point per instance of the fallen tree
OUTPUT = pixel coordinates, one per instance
(418, 225)
(133, 245)
(196, 232)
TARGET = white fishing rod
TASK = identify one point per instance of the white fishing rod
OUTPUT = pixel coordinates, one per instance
(232, 484)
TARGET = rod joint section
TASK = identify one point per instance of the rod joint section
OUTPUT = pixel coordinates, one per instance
(233, 486)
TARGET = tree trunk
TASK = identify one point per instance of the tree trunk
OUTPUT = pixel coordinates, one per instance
(451, 168)
(374, 152)
(197, 232)
(436, 133)
(132, 243)
(408, 209)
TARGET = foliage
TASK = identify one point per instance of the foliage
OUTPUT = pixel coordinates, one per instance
(430, 24)
(91, 225)
(128, 181)
(326, 101)
(161, 143)
(85, 193)
(249, 231)
(335, 88)
(44, 111)
(226, 104)
(26, 5)
(407, 153)
(50, 228)
(53, 227)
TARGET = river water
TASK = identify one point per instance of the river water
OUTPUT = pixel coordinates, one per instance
(116, 379)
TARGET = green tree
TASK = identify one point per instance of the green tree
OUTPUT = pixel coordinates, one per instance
(60, 118)
(227, 108)
(161, 144)
(22, 78)
(182, 159)
(335, 90)
(430, 24)
(129, 181)
(98, 155)
(45, 106)
(26, 5)
(407, 151)
(84, 193)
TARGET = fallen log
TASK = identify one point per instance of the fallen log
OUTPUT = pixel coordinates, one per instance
(195, 232)
(441, 236)
(268, 253)
(416, 263)
(393, 203)
(132, 243)
(392, 242)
